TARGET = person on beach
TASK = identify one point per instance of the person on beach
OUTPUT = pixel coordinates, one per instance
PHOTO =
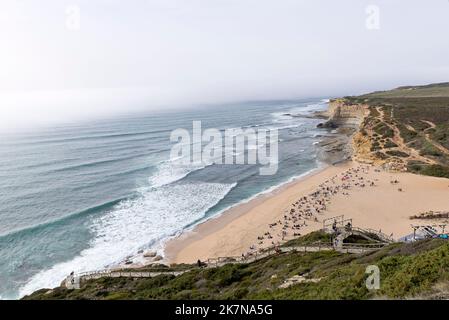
(348, 226)
(308, 207)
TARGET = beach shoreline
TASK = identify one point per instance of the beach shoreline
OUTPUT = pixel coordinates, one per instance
(240, 208)
(368, 194)
(386, 207)
(332, 148)
(208, 227)
(213, 223)
(334, 151)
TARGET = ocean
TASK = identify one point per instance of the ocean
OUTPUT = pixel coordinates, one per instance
(81, 197)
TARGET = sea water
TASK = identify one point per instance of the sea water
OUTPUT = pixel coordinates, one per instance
(81, 197)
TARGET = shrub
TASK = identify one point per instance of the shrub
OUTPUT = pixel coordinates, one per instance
(396, 153)
(407, 134)
(436, 171)
(390, 144)
(429, 150)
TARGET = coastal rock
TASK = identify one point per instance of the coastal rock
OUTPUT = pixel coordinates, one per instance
(342, 113)
(150, 254)
(328, 125)
(157, 258)
(321, 114)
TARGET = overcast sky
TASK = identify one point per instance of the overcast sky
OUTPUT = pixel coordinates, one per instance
(128, 55)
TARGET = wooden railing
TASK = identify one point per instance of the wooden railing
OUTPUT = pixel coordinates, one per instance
(379, 234)
(74, 280)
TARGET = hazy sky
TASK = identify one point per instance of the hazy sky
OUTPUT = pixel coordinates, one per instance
(127, 55)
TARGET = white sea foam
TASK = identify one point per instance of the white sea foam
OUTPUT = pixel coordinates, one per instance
(171, 171)
(288, 116)
(281, 116)
(135, 224)
(161, 210)
(269, 190)
(288, 126)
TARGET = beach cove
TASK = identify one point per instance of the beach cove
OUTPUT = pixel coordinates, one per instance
(350, 184)
(382, 207)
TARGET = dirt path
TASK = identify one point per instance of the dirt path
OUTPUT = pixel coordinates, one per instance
(435, 144)
(397, 139)
(431, 124)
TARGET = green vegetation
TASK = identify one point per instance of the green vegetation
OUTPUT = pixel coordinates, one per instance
(381, 155)
(421, 116)
(429, 150)
(390, 144)
(311, 238)
(375, 146)
(362, 240)
(384, 130)
(397, 153)
(441, 134)
(429, 170)
(406, 134)
(374, 112)
(431, 90)
(407, 270)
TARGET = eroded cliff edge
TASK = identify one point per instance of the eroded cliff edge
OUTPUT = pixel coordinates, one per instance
(404, 129)
(342, 127)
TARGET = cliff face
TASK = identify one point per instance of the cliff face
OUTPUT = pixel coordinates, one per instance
(342, 113)
(346, 119)
(362, 150)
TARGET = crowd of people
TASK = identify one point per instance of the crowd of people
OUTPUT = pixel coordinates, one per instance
(308, 209)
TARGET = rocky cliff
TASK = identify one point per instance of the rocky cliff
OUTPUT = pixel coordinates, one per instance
(346, 119)
(342, 113)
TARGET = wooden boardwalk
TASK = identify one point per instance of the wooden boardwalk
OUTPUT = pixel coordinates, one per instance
(74, 281)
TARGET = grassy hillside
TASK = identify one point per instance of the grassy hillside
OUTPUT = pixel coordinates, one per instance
(407, 270)
(409, 125)
(430, 90)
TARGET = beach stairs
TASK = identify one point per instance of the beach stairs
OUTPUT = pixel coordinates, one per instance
(377, 239)
(429, 232)
(339, 239)
(377, 234)
(342, 229)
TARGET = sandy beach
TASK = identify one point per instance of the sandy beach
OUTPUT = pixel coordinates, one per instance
(372, 197)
